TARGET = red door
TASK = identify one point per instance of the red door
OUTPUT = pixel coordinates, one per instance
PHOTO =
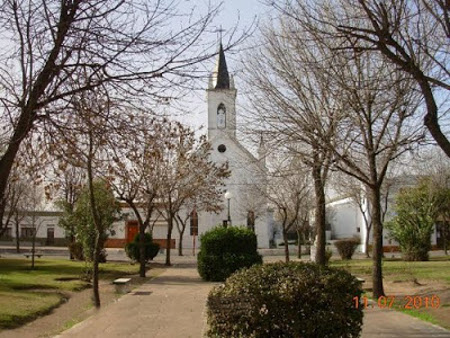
(132, 230)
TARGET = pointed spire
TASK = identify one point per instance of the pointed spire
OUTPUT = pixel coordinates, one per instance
(222, 78)
(262, 150)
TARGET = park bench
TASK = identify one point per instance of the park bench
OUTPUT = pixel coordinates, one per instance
(122, 285)
(36, 254)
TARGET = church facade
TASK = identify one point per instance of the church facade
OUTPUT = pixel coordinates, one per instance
(244, 202)
(246, 205)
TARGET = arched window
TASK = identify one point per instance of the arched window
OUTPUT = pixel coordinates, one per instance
(194, 223)
(221, 116)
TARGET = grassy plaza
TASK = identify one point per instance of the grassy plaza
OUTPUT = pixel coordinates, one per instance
(26, 294)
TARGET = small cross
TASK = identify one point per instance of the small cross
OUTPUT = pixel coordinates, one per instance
(220, 30)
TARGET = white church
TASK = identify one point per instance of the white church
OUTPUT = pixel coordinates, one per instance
(245, 187)
(243, 202)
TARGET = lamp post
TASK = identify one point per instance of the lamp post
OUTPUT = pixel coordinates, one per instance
(228, 196)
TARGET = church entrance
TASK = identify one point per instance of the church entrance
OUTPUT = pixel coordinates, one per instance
(132, 230)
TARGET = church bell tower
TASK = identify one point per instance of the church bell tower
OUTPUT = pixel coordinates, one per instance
(221, 97)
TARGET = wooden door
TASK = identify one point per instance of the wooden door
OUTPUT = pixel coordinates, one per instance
(132, 230)
(50, 236)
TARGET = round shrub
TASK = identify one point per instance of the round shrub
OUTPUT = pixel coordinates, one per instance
(76, 250)
(226, 250)
(151, 249)
(286, 300)
(346, 247)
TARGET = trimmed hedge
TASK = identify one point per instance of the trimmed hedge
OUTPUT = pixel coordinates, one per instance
(346, 247)
(286, 300)
(151, 249)
(226, 250)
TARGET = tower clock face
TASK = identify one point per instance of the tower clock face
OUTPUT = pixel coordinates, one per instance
(221, 116)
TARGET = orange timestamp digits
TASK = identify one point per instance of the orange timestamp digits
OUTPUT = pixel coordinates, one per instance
(407, 302)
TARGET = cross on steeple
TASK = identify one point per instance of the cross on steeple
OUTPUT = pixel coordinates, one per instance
(220, 31)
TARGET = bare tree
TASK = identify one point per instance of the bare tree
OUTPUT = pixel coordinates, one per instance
(289, 95)
(140, 50)
(83, 139)
(35, 203)
(189, 174)
(64, 185)
(378, 128)
(368, 105)
(253, 200)
(413, 35)
(136, 170)
(287, 191)
(204, 189)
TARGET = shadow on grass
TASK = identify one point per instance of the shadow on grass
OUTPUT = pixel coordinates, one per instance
(15, 321)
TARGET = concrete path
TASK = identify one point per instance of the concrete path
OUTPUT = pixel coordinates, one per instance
(387, 323)
(170, 306)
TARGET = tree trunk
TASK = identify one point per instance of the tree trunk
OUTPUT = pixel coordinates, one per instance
(17, 237)
(367, 241)
(142, 227)
(169, 239)
(431, 119)
(95, 271)
(180, 243)
(33, 248)
(445, 232)
(286, 244)
(319, 211)
(142, 258)
(72, 241)
(7, 160)
(377, 250)
(299, 244)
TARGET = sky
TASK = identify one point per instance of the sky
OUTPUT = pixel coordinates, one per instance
(242, 14)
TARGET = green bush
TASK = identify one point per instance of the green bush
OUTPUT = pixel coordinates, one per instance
(286, 300)
(151, 249)
(76, 250)
(346, 247)
(226, 250)
(416, 210)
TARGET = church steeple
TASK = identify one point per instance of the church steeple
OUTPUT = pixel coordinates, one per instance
(221, 99)
(262, 150)
(220, 76)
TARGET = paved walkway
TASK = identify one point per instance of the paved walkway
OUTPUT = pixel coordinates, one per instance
(173, 306)
(385, 323)
(170, 306)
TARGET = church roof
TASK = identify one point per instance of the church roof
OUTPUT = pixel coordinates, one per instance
(222, 78)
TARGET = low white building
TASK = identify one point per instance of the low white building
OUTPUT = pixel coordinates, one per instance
(44, 223)
(348, 216)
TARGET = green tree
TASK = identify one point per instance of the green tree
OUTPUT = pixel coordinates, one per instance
(442, 217)
(416, 210)
(93, 236)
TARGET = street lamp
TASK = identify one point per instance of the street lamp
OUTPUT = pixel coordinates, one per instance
(228, 196)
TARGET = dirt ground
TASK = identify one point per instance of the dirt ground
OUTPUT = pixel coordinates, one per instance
(405, 290)
(77, 308)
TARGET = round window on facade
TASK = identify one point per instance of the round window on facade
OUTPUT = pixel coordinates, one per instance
(221, 148)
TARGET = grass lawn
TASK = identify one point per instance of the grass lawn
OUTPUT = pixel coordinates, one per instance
(397, 270)
(408, 279)
(26, 294)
